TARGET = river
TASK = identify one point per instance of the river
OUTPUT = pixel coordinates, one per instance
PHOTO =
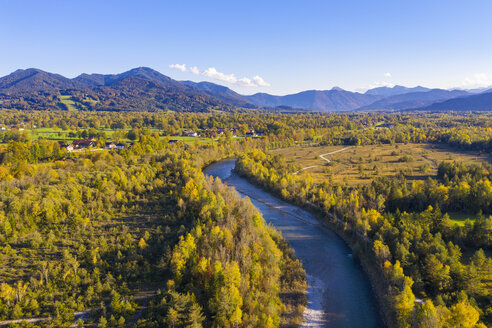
(339, 294)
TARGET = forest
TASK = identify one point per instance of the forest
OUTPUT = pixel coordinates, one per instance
(434, 273)
(140, 237)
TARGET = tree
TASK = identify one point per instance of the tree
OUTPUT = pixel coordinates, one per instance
(103, 323)
(142, 244)
(427, 316)
(381, 251)
(463, 315)
(172, 317)
(195, 317)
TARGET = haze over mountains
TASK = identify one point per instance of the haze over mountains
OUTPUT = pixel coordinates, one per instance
(144, 89)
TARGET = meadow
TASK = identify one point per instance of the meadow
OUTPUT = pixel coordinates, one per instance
(57, 134)
(360, 164)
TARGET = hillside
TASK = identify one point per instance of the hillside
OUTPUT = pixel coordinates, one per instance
(221, 92)
(327, 100)
(140, 89)
(478, 102)
(414, 99)
(396, 90)
(32, 79)
(144, 89)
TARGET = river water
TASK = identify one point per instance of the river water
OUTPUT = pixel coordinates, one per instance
(339, 294)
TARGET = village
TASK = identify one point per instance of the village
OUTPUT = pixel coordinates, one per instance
(82, 140)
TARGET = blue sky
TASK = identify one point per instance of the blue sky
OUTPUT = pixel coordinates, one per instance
(253, 46)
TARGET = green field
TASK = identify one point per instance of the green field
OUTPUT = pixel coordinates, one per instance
(67, 101)
(460, 218)
(57, 134)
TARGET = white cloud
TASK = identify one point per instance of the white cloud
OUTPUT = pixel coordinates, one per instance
(194, 70)
(388, 74)
(212, 73)
(478, 80)
(260, 82)
(380, 84)
(180, 67)
(245, 82)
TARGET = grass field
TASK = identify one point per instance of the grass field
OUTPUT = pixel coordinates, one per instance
(67, 101)
(48, 133)
(61, 135)
(460, 218)
(358, 165)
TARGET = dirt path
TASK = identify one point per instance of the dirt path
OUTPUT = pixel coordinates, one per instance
(144, 295)
(31, 320)
(323, 157)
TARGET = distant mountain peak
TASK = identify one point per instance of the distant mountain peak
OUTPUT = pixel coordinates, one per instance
(141, 89)
(386, 91)
(147, 73)
(34, 80)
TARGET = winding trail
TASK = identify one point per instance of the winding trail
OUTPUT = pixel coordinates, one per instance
(323, 157)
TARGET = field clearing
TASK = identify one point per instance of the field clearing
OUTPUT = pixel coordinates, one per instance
(190, 140)
(62, 135)
(67, 101)
(460, 218)
(360, 164)
(49, 134)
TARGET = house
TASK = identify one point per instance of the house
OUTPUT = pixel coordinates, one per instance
(189, 133)
(83, 143)
(251, 133)
(62, 144)
(260, 133)
(110, 145)
(387, 125)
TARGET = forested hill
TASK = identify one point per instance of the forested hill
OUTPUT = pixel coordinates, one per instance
(335, 99)
(480, 102)
(140, 89)
(144, 89)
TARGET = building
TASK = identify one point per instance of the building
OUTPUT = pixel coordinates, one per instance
(112, 145)
(251, 133)
(189, 133)
(84, 143)
(120, 145)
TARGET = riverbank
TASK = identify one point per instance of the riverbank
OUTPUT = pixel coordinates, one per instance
(372, 273)
(339, 294)
(334, 224)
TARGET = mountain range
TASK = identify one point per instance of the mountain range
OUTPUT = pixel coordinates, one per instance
(144, 89)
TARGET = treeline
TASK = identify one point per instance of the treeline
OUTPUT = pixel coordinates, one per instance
(13, 135)
(464, 137)
(463, 132)
(466, 194)
(407, 253)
